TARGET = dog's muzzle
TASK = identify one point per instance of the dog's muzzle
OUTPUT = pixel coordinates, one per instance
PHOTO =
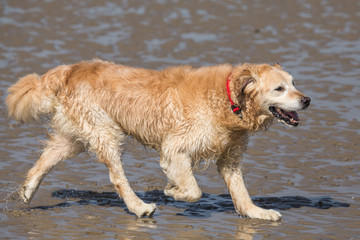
(290, 118)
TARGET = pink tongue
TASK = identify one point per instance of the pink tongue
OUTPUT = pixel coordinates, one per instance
(294, 115)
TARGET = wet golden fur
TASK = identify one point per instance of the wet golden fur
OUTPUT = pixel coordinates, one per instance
(182, 112)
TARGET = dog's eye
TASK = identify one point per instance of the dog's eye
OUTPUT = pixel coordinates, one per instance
(293, 83)
(279, 89)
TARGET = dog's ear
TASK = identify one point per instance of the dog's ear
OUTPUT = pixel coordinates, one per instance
(277, 65)
(242, 82)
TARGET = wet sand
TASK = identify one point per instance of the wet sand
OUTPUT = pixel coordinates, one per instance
(310, 174)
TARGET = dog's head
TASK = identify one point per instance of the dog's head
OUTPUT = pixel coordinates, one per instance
(271, 91)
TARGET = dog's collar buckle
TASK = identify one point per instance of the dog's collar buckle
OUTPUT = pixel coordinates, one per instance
(236, 109)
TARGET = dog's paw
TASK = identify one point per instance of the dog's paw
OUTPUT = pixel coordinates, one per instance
(187, 196)
(25, 194)
(146, 210)
(264, 214)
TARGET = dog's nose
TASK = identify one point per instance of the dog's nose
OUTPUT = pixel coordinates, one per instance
(305, 101)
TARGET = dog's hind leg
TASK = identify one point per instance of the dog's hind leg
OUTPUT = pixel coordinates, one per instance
(117, 177)
(105, 137)
(182, 184)
(110, 156)
(58, 149)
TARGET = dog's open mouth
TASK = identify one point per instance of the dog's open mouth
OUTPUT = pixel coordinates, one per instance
(288, 117)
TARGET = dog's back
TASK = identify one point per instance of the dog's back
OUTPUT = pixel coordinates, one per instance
(123, 92)
(146, 104)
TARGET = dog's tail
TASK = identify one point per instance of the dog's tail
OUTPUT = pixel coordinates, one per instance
(33, 96)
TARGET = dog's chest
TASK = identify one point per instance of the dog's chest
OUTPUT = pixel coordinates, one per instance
(207, 143)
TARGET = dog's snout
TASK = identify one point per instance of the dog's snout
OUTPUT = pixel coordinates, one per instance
(305, 101)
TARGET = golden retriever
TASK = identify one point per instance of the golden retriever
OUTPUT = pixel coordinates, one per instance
(187, 114)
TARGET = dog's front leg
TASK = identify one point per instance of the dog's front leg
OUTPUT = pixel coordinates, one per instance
(231, 173)
(182, 184)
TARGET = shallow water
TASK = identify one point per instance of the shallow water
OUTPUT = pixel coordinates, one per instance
(311, 174)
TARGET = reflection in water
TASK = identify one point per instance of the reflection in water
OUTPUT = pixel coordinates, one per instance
(245, 231)
(142, 223)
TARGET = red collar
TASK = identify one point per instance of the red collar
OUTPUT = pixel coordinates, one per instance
(236, 109)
